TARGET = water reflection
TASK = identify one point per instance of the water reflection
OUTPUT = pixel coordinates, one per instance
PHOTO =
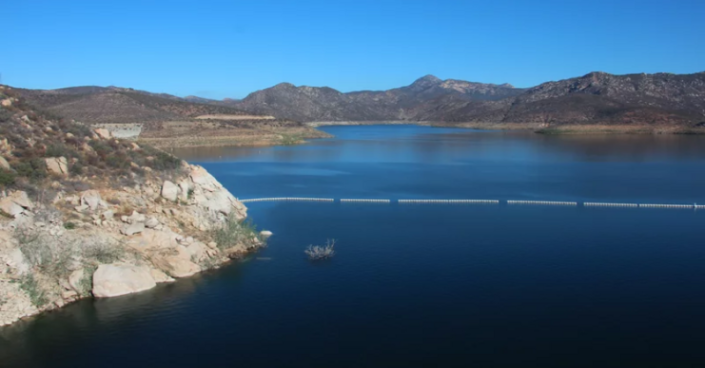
(444, 146)
(92, 322)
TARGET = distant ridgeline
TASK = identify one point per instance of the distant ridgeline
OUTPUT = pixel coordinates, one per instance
(124, 131)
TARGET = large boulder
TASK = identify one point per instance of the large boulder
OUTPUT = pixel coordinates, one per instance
(170, 191)
(9, 207)
(178, 264)
(16, 203)
(198, 251)
(104, 133)
(57, 165)
(92, 200)
(161, 277)
(22, 199)
(4, 164)
(5, 147)
(133, 228)
(118, 279)
(150, 239)
(151, 222)
(205, 180)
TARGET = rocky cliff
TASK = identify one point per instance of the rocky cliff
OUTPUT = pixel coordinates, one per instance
(83, 214)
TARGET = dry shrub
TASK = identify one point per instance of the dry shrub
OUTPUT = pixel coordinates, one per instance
(317, 252)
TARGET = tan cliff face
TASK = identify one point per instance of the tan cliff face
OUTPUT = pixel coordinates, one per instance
(84, 214)
(166, 235)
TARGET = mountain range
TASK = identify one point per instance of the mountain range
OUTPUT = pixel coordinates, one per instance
(657, 100)
(595, 98)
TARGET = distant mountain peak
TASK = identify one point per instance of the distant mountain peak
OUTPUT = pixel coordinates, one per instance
(428, 79)
(284, 85)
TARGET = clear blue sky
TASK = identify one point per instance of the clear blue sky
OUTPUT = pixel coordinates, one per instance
(222, 49)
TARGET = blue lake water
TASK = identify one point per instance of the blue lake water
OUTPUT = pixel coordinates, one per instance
(421, 285)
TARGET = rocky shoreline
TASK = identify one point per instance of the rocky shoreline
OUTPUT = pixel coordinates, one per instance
(106, 251)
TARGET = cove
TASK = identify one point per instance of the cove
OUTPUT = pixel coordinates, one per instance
(416, 285)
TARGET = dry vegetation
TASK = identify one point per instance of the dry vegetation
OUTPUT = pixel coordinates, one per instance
(63, 239)
(228, 133)
(318, 252)
(28, 137)
(169, 121)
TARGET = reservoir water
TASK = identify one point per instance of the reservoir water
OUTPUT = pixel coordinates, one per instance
(425, 285)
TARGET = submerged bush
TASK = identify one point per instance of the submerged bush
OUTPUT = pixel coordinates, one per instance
(317, 252)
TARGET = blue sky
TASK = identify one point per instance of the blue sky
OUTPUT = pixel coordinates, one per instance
(222, 49)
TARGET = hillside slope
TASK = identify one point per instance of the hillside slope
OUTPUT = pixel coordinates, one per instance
(596, 98)
(320, 104)
(84, 214)
(662, 99)
(166, 120)
(91, 104)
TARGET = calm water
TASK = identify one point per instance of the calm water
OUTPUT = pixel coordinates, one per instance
(425, 285)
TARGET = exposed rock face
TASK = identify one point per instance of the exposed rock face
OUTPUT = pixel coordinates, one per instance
(57, 165)
(104, 133)
(16, 203)
(92, 200)
(134, 228)
(160, 277)
(115, 280)
(161, 240)
(107, 230)
(4, 164)
(170, 191)
(179, 265)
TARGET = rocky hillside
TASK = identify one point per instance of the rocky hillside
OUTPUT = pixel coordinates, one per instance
(596, 98)
(83, 214)
(166, 120)
(110, 105)
(326, 104)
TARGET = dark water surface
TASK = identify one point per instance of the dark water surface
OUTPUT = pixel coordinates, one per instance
(428, 285)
